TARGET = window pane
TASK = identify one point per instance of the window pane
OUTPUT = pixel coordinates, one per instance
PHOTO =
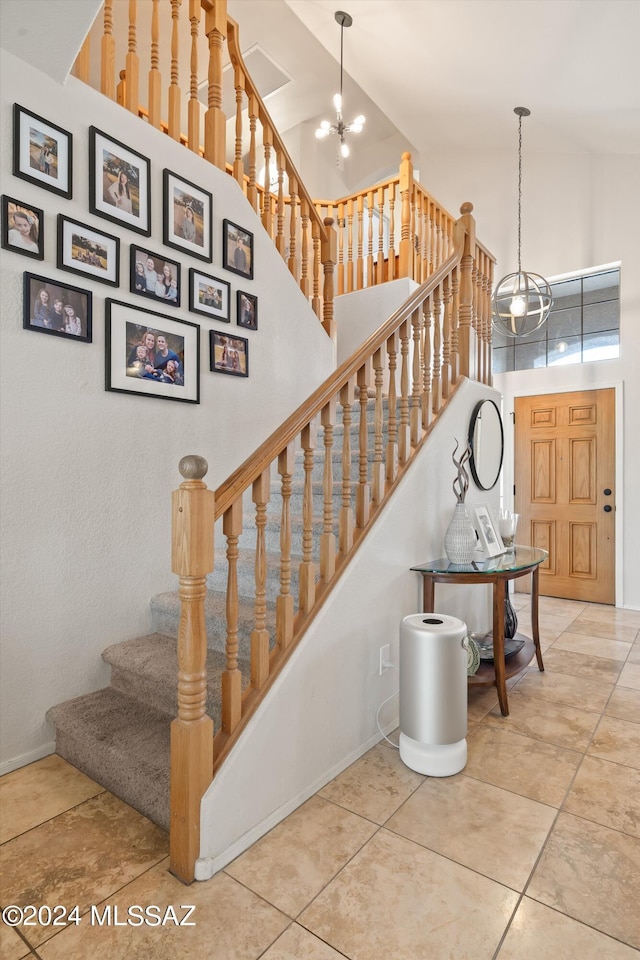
(564, 323)
(502, 359)
(602, 286)
(566, 350)
(601, 346)
(500, 339)
(601, 316)
(530, 355)
(566, 293)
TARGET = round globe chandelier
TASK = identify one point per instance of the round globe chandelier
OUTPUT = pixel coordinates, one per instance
(521, 301)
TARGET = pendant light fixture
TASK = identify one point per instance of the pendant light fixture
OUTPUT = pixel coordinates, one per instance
(521, 301)
(326, 128)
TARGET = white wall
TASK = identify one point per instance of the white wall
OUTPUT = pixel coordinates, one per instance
(87, 475)
(320, 714)
(359, 314)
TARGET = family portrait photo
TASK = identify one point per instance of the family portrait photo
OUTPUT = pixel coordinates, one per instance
(151, 354)
(237, 249)
(187, 216)
(489, 537)
(56, 308)
(41, 152)
(247, 310)
(209, 296)
(118, 182)
(22, 228)
(229, 354)
(152, 275)
(84, 250)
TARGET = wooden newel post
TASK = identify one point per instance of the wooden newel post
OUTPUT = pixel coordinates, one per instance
(406, 241)
(467, 336)
(192, 731)
(329, 255)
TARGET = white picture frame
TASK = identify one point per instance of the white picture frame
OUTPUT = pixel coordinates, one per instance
(487, 531)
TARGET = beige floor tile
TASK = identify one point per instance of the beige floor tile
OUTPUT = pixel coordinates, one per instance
(624, 704)
(531, 768)
(601, 628)
(398, 901)
(630, 676)
(607, 793)
(231, 923)
(551, 626)
(493, 831)
(597, 611)
(375, 785)
(561, 608)
(81, 857)
(562, 688)
(296, 943)
(539, 933)
(593, 646)
(520, 601)
(480, 701)
(556, 723)
(618, 741)
(40, 791)
(12, 946)
(634, 653)
(292, 863)
(581, 665)
(591, 873)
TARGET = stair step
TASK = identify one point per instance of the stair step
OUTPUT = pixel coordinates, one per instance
(120, 743)
(165, 618)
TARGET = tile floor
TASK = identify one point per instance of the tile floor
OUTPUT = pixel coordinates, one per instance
(531, 853)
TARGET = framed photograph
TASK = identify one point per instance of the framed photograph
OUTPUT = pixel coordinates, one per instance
(228, 354)
(237, 249)
(22, 228)
(247, 310)
(188, 216)
(489, 536)
(154, 276)
(148, 353)
(119, 183)
(42, 152)
(49, 306)
(209, 296)
(83, 250)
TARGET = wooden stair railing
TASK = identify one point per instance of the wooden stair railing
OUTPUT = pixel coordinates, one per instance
(421, 352)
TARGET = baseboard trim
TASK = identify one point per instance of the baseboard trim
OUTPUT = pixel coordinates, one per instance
(25, 758)
(206, 867)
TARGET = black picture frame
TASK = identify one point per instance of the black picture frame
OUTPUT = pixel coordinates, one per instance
(228, 354)
(125, 201)
(135, 365)
(42, 152)
(246, 310)
(187, 220)
(209, 296)
(92, 253)
(237, 249)
(41, 315)
(140, 283)
(22, 228)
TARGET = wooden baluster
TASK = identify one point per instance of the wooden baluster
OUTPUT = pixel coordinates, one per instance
(232, 677)
(380, 264)
(307, 567)
(479, 300)
(360, 263)
(292, 262)
(155, 78)
(214, 118)
(238, 163)
(436, 387)
(132, 63)
(327, 537)
(252, 194)
(455, 306)
(345, 525)
(267, 219)
(392, 438)
(406, 242)
(404, 432)
(421, 240)
(328, 253)
(428, 251)
(341, 225)
(193, 109)
(475, 318)
(304, 272)
(108, 54)
(370, 277)
(121, 89)
(377, 469)
(175, 94)
(488, 288)
(193, 510)
(81, 67)
(280, 211)
(363, 493)
(427, 362)
(284, 601)
(416, 379)
(260, 634)
(446, 339)
(391, 263)
(316, 302)
(466, 333)
(349, 246)
(438, 239)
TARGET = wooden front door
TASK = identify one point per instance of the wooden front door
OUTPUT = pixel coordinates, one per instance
(565, 490)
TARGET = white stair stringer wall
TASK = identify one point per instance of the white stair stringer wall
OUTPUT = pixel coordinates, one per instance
(320, 714)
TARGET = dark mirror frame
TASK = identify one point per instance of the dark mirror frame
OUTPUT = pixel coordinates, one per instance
(472, 428)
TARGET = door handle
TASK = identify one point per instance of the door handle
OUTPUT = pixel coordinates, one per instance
(607, 492)
(608, 508)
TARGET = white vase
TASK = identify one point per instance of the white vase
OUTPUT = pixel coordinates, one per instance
(460, 536)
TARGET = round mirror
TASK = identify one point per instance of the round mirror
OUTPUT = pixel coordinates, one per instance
(487, 444)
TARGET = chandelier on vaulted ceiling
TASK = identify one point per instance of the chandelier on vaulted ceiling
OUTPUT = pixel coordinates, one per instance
(521, 301)
(326, 128)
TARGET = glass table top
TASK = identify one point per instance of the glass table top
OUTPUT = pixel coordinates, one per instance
(519, 558)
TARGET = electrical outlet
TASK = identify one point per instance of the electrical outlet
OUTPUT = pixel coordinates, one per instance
(385, 658)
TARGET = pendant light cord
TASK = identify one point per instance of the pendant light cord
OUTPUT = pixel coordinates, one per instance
(519, 191)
